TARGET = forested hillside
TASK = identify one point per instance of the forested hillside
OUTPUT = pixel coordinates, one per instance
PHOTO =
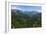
(25, 19)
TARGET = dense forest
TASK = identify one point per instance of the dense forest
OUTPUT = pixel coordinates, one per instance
(25, 19)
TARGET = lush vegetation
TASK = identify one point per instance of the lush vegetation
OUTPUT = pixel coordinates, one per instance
(26, 19)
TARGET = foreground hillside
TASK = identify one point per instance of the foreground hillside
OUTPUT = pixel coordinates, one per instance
(25, 19)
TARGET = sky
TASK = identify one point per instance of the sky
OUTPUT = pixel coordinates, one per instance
(27, 8)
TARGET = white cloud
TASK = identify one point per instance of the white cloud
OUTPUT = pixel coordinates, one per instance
(39, 10)
(19, 8)
(13, 7)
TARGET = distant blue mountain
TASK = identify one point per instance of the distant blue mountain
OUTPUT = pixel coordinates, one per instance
(25, 13)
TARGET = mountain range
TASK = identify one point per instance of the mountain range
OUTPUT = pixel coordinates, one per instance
(25, 13)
